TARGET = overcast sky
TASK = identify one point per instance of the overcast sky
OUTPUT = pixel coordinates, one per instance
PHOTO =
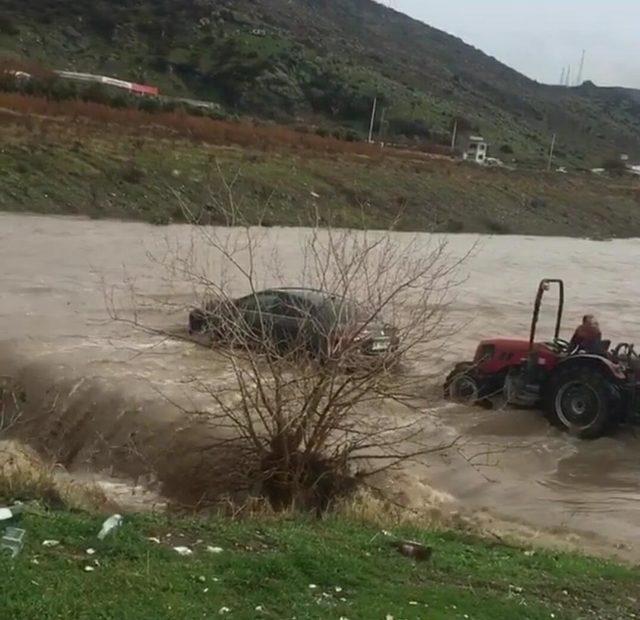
(539, 37)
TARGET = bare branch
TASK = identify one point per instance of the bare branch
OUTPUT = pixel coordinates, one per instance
(313, 371)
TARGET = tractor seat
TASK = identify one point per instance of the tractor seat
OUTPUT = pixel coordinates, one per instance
(603, 349)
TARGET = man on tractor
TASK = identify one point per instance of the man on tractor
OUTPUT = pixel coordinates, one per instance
(588, 337)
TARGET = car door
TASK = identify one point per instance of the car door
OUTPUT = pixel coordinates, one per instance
(291, 314)
(257, 311)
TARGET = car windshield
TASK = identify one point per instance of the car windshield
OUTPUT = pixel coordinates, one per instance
(339, 310)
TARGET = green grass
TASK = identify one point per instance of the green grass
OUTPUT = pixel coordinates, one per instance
(272, 564)
(60, 169)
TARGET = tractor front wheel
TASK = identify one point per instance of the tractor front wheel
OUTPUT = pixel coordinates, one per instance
(583, 401)
(461, 386)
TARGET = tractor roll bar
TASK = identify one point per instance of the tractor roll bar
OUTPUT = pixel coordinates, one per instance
(544, 286)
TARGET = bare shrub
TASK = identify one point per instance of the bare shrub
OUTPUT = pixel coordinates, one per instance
(322, 381)
(11, 405)
(24, 476)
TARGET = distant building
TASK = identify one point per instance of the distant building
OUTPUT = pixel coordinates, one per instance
(474, 148)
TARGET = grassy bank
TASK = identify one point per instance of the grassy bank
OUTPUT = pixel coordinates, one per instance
(103, 168)
(295, 569)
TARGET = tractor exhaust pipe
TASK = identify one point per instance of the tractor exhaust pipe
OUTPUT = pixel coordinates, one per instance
(545, 285)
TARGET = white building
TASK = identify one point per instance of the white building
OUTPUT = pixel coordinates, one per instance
(475, 149)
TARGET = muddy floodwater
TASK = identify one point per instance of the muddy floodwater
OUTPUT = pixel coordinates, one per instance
(54, 331)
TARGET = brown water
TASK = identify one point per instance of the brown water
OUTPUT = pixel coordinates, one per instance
(54, 330)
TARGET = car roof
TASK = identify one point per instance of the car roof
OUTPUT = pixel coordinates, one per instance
(313, 295)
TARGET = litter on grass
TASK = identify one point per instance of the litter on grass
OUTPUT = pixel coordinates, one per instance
(13, 540)
(110, 524)
(214, 549)
(9, 512)
(50, 543)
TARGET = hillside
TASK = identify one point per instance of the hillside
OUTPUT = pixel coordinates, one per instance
(320, 63)
(83, 158)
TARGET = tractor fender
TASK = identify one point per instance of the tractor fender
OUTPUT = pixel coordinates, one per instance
(594, 361)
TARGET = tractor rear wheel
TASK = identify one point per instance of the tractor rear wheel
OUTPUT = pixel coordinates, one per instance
(583, 401)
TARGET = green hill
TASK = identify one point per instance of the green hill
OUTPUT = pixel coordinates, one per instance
(321, 63)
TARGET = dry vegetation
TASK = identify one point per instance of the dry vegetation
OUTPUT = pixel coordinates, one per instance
(244, 133)
(24, 476)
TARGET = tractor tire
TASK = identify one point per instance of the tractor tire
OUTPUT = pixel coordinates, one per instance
(582, 401)
(461, 386)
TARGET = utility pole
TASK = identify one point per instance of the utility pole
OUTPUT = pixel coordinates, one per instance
(562, 76)
(373, 118)
(568, 76)
(553, 146)
(579, 80)
(454, 137)
(381, 131)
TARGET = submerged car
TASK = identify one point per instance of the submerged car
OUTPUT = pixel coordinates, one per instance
(287, 319)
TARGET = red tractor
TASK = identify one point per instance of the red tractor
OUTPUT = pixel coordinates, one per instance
(586, 393)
